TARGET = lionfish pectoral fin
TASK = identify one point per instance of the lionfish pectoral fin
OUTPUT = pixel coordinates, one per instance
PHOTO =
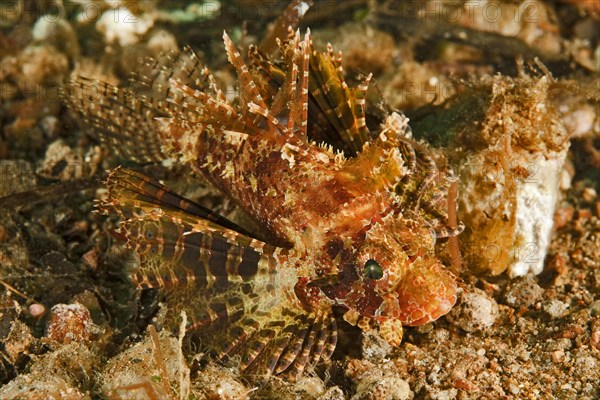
(136, 189)
(289, 341)
(238, 309)
(179, 242)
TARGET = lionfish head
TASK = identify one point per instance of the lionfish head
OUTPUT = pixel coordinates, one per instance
(397, 279)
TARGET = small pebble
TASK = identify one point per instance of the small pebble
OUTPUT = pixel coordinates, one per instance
(70, 323)
(565, 180)
(42, 65)
(556, 308)
(333, 393)
(50, 125)
(523, 292)
(586, 362)
(374, 347)
(17, 341)
(595, 336)
(377, 381)
(589, 194)
(561, 344)
(90, 259)
(476, 312)
(36, 310)
(449, 394)
(313, 386)
(120, 30)
(562, 216)
(386, 387)
(558, 356)
(58, 32)
(584, 214)
(514, 389)
(161, 42)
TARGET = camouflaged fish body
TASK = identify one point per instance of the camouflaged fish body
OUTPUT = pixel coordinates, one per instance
(355, 230)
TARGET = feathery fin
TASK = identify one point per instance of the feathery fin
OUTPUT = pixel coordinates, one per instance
(244, 306)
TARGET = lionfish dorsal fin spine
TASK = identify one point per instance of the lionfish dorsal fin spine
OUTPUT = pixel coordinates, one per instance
(248, 90)
(305, 72)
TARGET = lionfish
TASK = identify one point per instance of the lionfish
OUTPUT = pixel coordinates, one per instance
(351, 227)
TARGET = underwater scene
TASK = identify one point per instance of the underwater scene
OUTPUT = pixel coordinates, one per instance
(320, 199)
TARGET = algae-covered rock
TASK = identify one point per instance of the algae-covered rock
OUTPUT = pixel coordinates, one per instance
(62, 374)
(151, 366)
(508, 145)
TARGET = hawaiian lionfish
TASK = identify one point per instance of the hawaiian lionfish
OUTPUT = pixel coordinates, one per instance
(353, 227)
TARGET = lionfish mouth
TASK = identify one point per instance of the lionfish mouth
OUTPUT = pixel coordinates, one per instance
(325, 281)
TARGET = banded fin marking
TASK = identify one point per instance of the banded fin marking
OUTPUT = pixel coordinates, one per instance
(200, 106)
(124, 117)
(341, 106)
(122, 120)
(248, 91)
(245, 305)
(126, 183)
(289, 18)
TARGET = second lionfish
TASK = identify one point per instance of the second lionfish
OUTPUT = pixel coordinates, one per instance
(353, 227)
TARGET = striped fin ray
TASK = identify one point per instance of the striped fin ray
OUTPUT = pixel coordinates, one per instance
(124, 117)
(282, 341)
(343, 107)
(358, 101)
(291, 100)
(203, 109)
(125, 183)
(315, 107)
(289, 18)
(272, 76)
(287, 94)
(123, 120)
(154, 75)
(301, 115)
(248, 91)
(252, 105)
(268, 76)
(243, 306)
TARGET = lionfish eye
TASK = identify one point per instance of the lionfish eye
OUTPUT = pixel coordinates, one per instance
(373, 270)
